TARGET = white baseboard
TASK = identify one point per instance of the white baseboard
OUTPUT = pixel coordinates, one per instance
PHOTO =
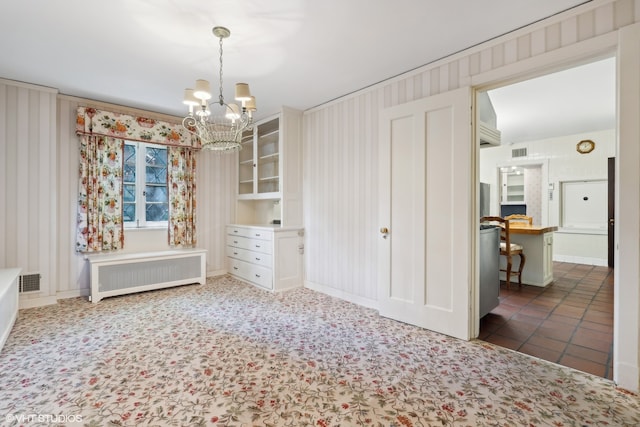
(37, 302)
(627, 377)
(73, 294)
(216, 273)
(365, 302)
(581, 260)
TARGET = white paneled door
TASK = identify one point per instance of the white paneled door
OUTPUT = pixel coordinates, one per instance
(426, 205)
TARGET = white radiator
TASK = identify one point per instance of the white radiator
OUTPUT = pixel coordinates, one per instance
(118, 274)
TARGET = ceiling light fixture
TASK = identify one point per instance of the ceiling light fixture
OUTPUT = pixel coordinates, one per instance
(221, 129)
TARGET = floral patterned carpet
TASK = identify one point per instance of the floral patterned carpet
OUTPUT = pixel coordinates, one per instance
(228, 354)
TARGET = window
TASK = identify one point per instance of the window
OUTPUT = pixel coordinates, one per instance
(146, 202)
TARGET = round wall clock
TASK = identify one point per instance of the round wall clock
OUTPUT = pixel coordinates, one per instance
(585, 146)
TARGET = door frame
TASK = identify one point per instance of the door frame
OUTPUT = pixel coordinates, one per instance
(624, 44)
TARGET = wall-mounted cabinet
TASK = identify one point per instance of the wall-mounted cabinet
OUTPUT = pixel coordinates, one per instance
(270, 171)
(513, 189)
(259, 158)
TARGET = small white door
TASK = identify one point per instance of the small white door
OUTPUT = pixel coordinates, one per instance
(426, 205)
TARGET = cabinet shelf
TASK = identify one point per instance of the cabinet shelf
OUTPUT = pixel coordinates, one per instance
(270, 157)
(269, 133)
(269, 179)
(247, 162)
(246, 181)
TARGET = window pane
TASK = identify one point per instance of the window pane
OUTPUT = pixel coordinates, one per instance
(156, 174)
(129, 193)
(156, 193)
(129, 212)
(156, 156)
(156, 169)
(157, 211)
(129, 163)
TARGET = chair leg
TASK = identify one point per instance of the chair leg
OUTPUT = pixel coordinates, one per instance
(522, 260)
(508, 273)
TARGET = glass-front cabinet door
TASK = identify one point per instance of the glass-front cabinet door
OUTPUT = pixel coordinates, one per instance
(259, 161)
(247, 164)
(268, 145)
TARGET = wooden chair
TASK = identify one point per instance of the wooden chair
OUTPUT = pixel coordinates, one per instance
(507, 249)
(519, 218)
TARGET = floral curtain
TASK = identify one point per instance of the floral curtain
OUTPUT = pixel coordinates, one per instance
(91, 121)
(99, 220)
(181, 177)
(102, 133)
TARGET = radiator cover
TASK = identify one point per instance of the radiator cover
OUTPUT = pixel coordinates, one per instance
(127, 273)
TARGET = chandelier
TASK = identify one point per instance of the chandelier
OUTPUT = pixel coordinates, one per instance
(218, 125)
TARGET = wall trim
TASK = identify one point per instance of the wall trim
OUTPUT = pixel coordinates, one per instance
(600, 262)
(37, 302)
(216, 273)
(30, 86)
(355, 299)
(75, 293)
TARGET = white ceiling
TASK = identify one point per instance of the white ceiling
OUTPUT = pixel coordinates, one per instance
(300, 53)
(577, 100)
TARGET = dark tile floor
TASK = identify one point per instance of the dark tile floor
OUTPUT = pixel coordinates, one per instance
(569, 322)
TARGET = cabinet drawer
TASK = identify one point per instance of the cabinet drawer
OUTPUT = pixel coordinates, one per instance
(257, 245)
(257, 274)
(249, 256)
(250, 232)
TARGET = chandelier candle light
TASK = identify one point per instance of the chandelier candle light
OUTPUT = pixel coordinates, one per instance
(219, 131)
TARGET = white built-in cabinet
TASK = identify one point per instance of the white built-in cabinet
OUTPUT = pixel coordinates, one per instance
(513, 189)
(270, 171)
(269, 257)
(265, 245)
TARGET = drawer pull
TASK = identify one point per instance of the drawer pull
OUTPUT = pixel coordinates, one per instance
(235, 253)
(257, 234)
(235, 268)
(257, 259)
(258, 276)
(235, 231)
(257, 246)
(235, 241)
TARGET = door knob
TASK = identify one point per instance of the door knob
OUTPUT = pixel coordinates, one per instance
(611, 221)
(385, 232)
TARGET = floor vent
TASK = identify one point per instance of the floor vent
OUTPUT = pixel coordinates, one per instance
(29, 283)
(519, 152)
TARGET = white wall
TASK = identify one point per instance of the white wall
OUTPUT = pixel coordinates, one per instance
(563, 163)
(28, 183)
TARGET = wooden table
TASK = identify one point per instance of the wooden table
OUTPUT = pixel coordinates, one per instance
(537, 243)
(524, 228)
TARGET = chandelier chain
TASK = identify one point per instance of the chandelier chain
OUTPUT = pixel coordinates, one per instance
(221, 99)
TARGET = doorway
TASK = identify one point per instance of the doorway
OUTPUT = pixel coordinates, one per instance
(553, 322)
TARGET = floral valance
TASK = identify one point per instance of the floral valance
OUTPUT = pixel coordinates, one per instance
(91, 121)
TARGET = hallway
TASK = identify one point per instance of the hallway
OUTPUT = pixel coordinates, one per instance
(570, 322)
